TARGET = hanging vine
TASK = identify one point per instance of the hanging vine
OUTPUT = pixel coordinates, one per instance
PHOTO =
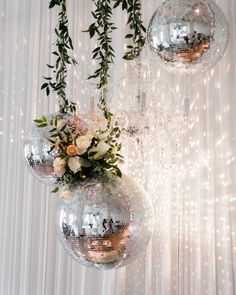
(104, 53)
(82, 152)
(57, 83)
(102, 28)
(135, 23)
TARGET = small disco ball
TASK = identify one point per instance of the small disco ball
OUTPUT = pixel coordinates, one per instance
(105, 224)
(38, 158)
(189, 35)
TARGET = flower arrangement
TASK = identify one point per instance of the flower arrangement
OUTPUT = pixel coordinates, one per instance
(82, 152)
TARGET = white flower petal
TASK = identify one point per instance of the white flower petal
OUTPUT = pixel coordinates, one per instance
(100, 150)
(83, 143)
(59, 163)
(102, 147)
(74, 164)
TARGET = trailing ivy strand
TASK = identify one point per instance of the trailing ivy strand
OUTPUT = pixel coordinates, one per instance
(102, 28)
(135, 23)
(57, 83)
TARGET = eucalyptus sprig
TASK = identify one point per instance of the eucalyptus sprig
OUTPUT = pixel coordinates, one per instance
(63, 44)
(135, 23)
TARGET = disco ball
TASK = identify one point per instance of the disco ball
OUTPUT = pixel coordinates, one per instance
(105, 224)
(189, 35)
(38, 158)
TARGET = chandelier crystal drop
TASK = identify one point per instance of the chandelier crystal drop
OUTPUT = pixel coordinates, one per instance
(188, 36)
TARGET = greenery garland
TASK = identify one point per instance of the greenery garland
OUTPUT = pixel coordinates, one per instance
(63, 44)
(82, 152)
(135, 23)
(102, 16)
(104, 53)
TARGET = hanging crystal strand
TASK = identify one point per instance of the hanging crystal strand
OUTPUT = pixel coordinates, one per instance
(92, 104)
(187, 100)
(164, 161)
(141, 97)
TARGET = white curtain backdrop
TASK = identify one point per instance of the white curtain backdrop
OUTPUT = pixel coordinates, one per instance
(193, 249)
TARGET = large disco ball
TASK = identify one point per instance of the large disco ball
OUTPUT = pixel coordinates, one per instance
(38, 158)
(188, 35)
(105, 224)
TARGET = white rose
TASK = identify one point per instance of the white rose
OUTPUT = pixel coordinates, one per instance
(83, 143)
(59, 163)
(100, 149)
(59, 166)
(74, 164)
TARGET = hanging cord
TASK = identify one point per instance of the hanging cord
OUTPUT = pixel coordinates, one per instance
(57, 83)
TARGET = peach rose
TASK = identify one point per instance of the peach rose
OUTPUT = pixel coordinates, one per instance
(72, 150)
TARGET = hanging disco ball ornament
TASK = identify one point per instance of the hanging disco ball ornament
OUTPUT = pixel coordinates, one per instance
(105, 224)
(188, 35)
(37, 148)
(38, 157)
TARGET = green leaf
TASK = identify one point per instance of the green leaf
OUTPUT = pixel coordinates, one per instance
(50, 67)
(47, 78)
(55, 190)
(42, 125)
(129, 36)
(124, 5)
(116, 4)
(54, 129)
(37, 120)
(70, 42)
(47, 91)
(44, 119)
(51, 141)
(44, 86)
(117, 171)
(63, 128)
